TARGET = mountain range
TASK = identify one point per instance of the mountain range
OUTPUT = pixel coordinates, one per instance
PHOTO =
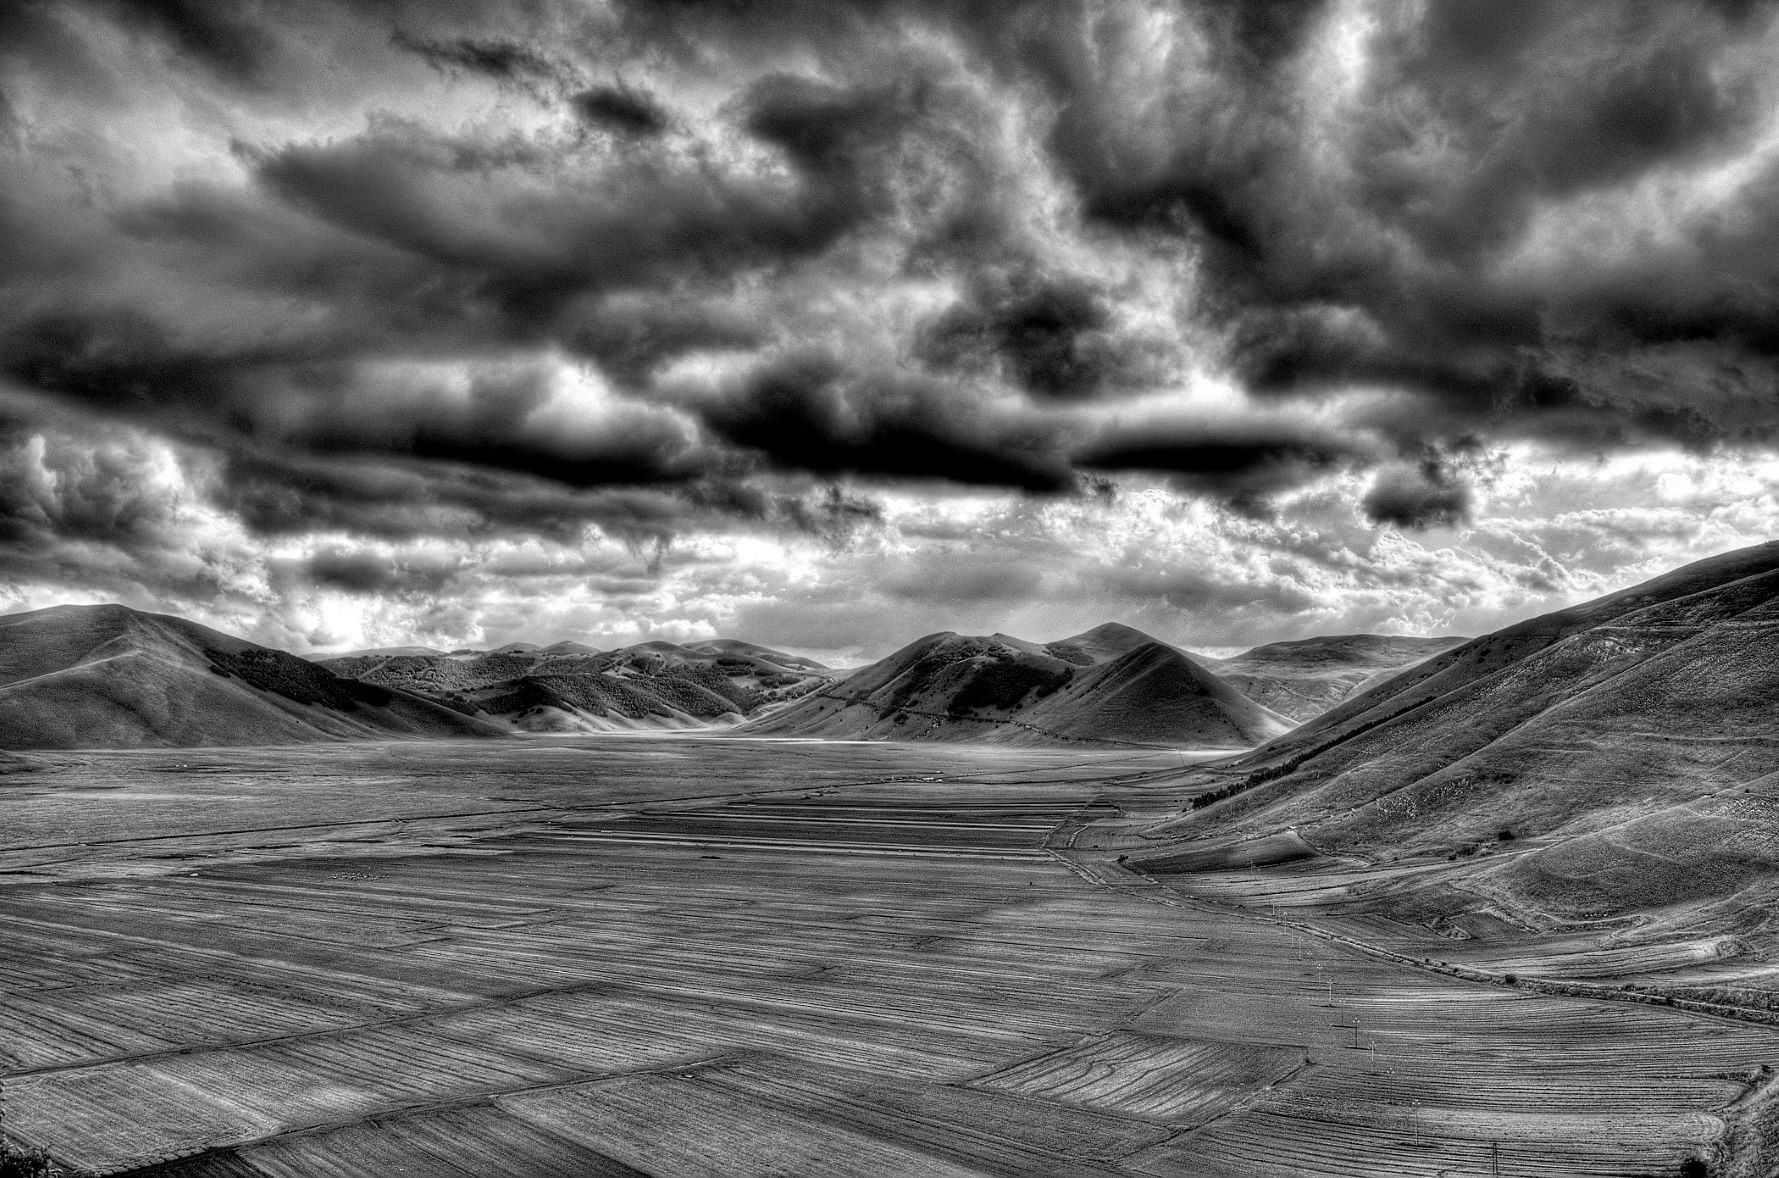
(109, 676)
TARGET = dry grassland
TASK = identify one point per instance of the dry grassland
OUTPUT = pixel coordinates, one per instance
(692, 956)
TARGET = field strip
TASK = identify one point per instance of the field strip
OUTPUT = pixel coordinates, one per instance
(608, 985)
(667, 804)
(403, 1109)
(813, 848)
(306, 826)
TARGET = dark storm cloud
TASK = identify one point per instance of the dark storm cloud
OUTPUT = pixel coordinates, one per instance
(502, 60)
(1240, 464)
(621, 109)
(220, 37)
(1424, 495)
(292, 494)
(355, 572)
(899, 241)
(1054, 337)
(809, 412)
(366, 571)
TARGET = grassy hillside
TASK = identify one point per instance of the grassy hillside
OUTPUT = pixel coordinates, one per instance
(1103, 686)
(1620, 756)
(110, 677)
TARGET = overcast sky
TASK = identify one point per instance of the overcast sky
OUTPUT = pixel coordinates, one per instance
(831, 324)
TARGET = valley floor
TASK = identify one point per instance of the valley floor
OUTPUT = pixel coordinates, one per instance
(704, 956)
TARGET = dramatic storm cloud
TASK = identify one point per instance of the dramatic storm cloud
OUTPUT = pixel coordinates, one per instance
(830, 323)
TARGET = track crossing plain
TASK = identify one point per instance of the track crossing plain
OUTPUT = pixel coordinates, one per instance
(690, 955)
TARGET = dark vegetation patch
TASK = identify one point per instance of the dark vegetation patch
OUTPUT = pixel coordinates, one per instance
(1005, 684)
(601, 695)
(719, 680)
(296, 679)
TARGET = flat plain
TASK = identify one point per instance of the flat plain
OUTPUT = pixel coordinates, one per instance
(689, 955)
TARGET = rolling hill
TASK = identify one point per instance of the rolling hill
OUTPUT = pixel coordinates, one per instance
(1304, 678)
(105, 676)
(1112, 684)
(1616, 759)
(570, 687)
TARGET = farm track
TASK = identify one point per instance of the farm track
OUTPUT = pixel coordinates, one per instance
(819, 959)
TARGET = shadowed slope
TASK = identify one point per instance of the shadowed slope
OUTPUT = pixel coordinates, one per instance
(1155, 694)
(109, 677)
(952, 687)
(1305, 678)
(1629, 747)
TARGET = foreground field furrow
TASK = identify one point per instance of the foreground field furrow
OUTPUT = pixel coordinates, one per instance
(23, 972)
(1165, 1079)
(204, 1012)
(837, 847)
(355, 1151)
(1406, 1080)
(476, 1142)
(404, 1065)
(272, 1087)
(170, 907)
(929, 1054)
(998, 1131)
(579, 1047)
(106, 1119)
(735, 1138)
(41, 1032)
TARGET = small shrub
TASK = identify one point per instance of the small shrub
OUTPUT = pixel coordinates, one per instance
(18, 1162)
(1511, 979)
(1505, 836)
(1694, 1168)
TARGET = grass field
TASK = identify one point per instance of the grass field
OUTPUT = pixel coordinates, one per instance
(696, 956)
